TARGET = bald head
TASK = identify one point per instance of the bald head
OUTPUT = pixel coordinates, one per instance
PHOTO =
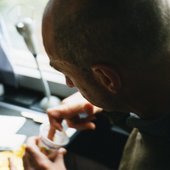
(130, 37)
(96, 31)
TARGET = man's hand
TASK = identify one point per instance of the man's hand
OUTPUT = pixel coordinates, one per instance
(34, 159)
(71, 110)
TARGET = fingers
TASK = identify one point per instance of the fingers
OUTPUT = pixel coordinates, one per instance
(82, 121)
(33, 149)
(88, 108)
(11, 164)
(56, 117)
(32, 143)
(81, 126)
(53, 155)
(34, 157)
(35, 161)
(29, 158)
(59, 161)
(71, 114)
(51, 132)
(68, 112)
(62, 151)
(26, 162)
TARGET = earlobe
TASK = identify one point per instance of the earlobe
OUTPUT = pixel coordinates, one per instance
(108, 77)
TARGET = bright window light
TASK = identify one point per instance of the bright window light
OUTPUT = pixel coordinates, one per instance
(11, 11)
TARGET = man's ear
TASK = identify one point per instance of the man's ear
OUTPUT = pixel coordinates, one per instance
(107, 76)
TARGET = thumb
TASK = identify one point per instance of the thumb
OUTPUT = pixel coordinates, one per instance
(59, 161)
(62, 151)
(60, 154)
(53, 156)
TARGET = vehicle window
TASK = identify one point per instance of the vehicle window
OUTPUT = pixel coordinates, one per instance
(12, 11)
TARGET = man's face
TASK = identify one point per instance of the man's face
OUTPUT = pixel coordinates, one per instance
(83, 81)
(76, 77)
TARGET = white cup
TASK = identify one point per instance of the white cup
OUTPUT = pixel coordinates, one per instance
(60, 139)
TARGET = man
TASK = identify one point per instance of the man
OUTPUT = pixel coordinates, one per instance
(117, 54)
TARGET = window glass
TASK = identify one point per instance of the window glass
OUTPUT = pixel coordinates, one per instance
(12, 11)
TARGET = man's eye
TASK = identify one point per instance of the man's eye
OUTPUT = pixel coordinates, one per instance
(69, 82)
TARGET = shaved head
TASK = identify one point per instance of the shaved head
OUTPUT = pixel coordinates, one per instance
(108, 31)
(132, 37)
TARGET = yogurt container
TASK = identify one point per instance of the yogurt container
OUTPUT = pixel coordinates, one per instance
(46, 145)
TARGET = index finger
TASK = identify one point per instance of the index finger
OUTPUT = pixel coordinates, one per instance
(68, 111)
(51, 133)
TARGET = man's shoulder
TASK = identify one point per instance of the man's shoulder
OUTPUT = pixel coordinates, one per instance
(145, 152)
